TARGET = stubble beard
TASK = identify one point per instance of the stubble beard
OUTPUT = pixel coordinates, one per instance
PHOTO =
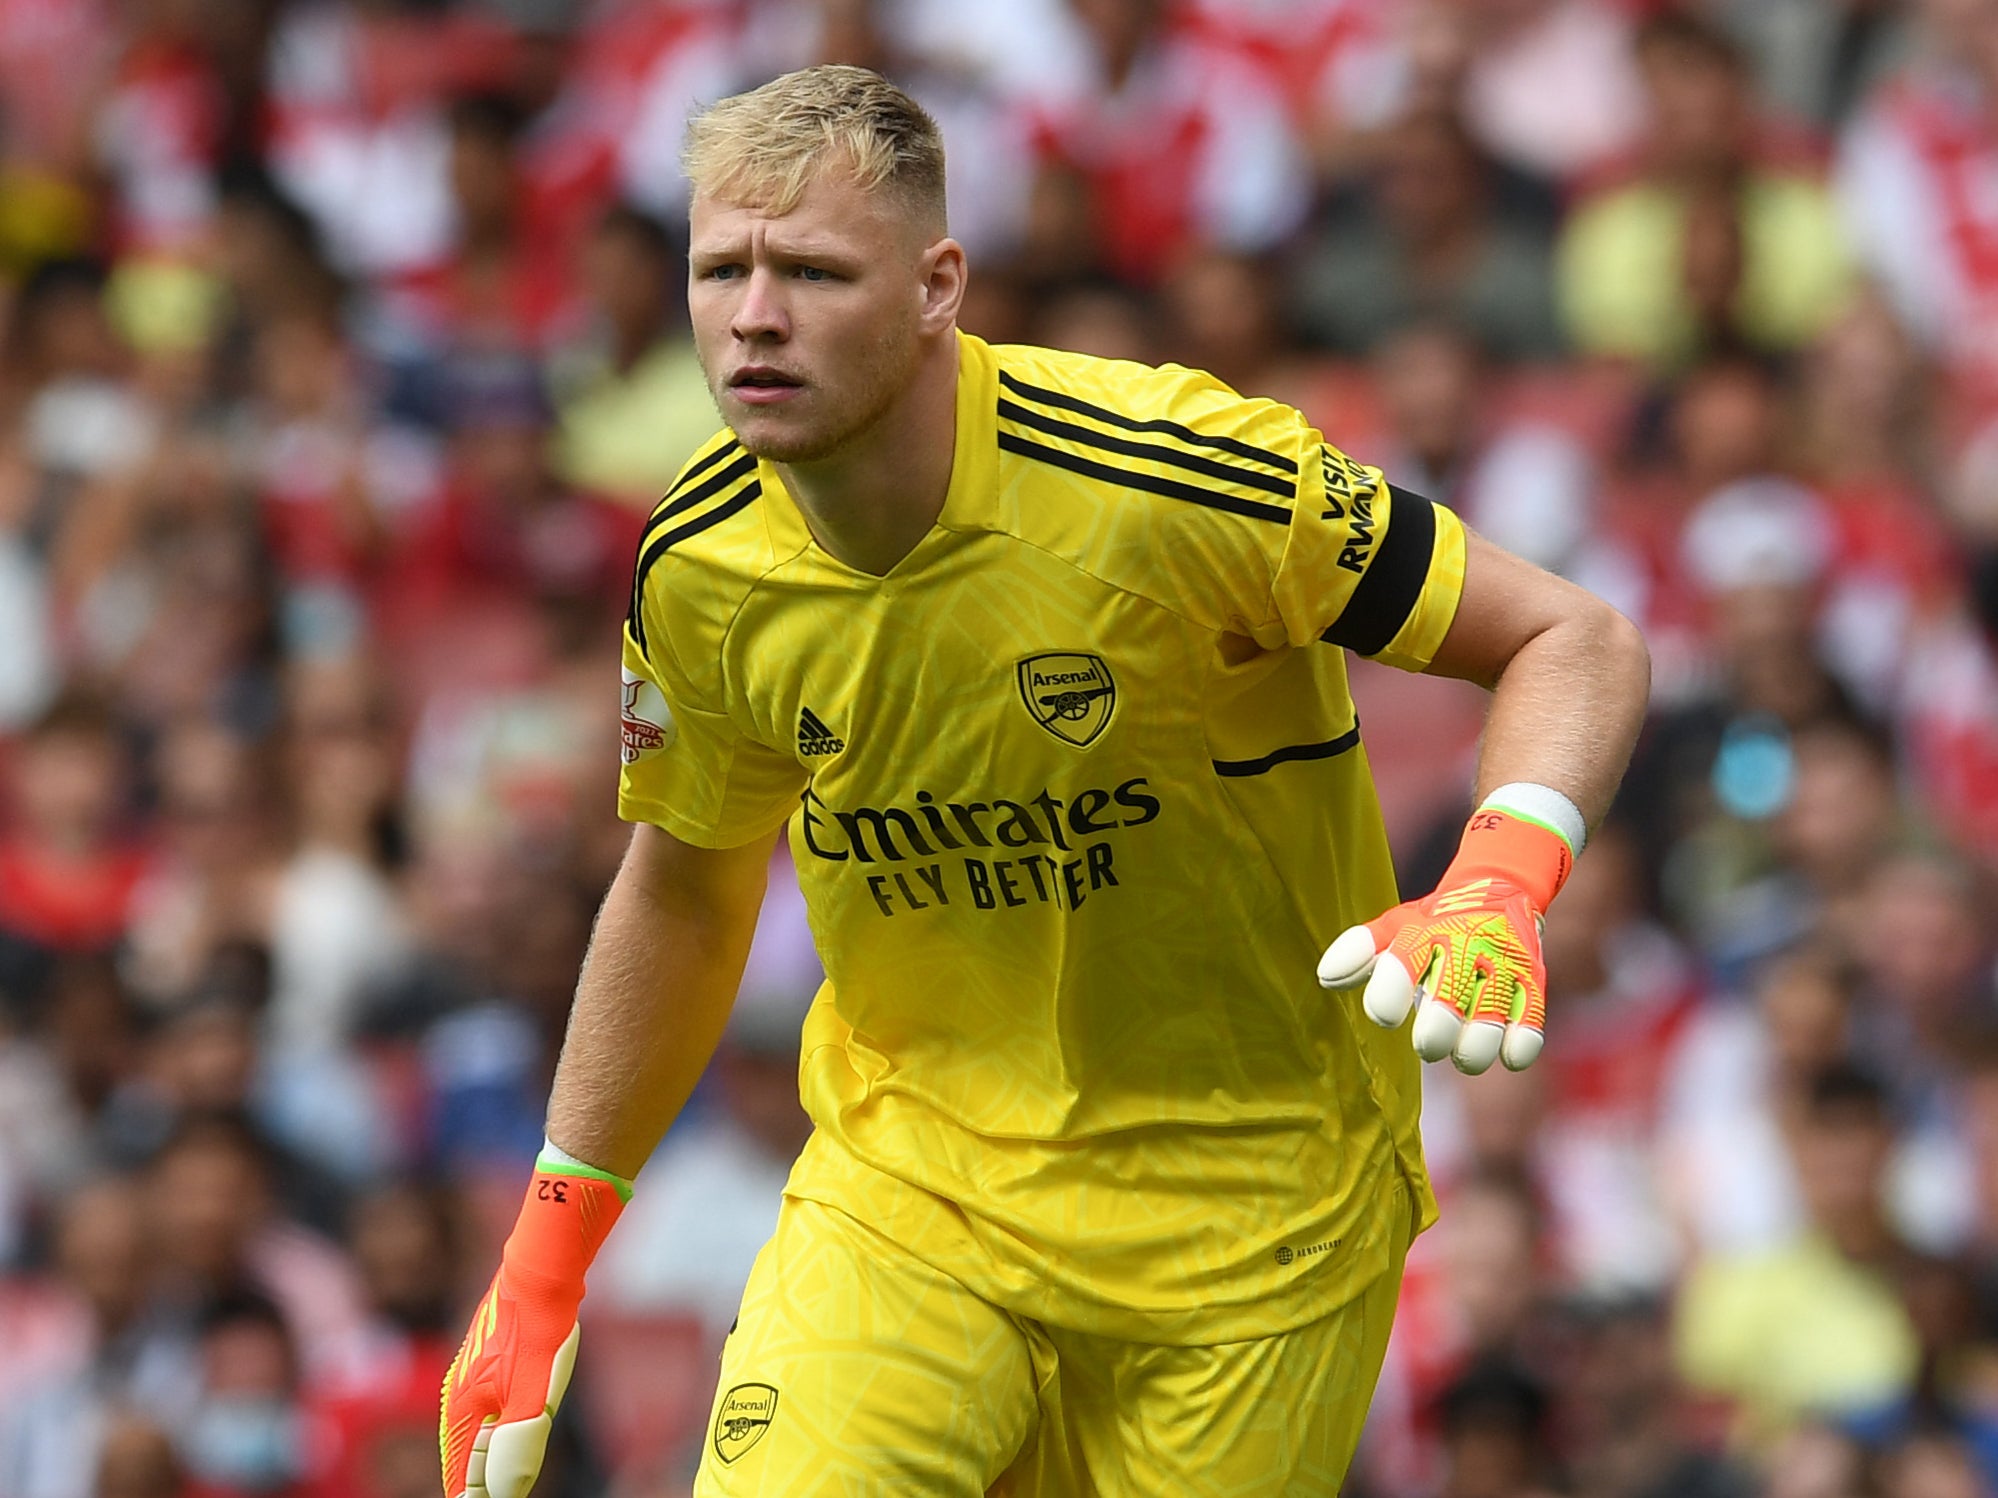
(854, 408)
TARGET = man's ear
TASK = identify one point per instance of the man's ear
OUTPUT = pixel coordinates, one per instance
(944, 274)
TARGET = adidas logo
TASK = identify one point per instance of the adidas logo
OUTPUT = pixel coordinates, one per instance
(814, 738)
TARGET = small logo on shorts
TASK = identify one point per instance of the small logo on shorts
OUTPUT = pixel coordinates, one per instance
(745, 1413)
(1285, 1254)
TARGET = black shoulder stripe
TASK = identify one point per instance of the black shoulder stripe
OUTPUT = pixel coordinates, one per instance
(1125, 478)
(1389, 589)
(681, 499)
(658, 546)
(1191, 462)
(1065, 402)
(726, 450)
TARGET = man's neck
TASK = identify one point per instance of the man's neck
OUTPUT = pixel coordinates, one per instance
(871, 503)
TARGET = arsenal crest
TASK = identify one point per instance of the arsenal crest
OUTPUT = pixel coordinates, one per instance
(745, 1414)
(1070, 694)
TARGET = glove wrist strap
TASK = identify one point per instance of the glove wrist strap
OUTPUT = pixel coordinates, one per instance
(1525, 852)
(556, 1160)
(1543, 804)
(569, 1211)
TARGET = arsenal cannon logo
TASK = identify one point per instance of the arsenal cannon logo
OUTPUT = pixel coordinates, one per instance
(1070, 694)
(744, 1415)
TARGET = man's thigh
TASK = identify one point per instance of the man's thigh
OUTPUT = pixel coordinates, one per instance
(856, 1369)
(1277, 1416)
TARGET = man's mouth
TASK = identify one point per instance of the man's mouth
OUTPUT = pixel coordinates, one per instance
(759, 378)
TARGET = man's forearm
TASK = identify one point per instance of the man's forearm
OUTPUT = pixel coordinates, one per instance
(656, 988)
(1570, 679)
(1566, 711)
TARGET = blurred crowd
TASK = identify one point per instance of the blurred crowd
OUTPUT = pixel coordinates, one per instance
(344, 354)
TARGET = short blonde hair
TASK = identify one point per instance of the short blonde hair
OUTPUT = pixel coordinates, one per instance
(765, 147)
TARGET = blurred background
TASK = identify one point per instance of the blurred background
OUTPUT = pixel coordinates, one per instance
(342, 355)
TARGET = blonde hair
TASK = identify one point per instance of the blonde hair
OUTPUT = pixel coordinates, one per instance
(765, 147)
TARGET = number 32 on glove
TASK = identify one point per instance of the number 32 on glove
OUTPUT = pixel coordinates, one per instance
(1466, 959)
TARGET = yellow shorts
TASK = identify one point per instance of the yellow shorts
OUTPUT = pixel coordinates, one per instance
(856, 1369)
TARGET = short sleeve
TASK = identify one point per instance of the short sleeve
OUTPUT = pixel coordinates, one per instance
(687, 767)
(1368, 566)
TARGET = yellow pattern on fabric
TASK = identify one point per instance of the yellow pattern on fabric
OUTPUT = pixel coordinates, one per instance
(872, 1373)
(1098, 800)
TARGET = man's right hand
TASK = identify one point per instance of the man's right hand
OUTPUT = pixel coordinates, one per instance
(501, 1393)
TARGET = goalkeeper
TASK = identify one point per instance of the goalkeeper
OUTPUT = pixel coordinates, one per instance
(1042, 660)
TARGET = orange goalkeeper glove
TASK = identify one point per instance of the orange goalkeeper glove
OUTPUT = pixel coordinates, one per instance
(1467, 958)
(500, 1395)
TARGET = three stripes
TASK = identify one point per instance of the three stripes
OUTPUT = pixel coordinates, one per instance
(1230, 480)
(710, 476)
(1389, 587)
(1226, 482)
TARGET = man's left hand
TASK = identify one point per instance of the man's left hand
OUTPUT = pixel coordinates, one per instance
(1465, 959)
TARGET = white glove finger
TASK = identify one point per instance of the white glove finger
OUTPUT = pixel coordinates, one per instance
(1436, 1029)
(1390, 994)
(1522, 1046)
(1477, 1047)
(1348, 960)
(515, 1458)
(475, 1465)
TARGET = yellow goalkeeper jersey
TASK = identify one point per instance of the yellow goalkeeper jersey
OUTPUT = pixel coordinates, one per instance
(1077, 797)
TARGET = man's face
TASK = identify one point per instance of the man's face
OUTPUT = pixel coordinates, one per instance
(809, 324)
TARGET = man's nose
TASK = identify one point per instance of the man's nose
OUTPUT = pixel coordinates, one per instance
(761, 313)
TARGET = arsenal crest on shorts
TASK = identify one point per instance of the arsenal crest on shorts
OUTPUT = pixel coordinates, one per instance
(1070, 694)
(741, 1419)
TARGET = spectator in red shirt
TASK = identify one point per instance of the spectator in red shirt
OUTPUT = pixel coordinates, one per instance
(507, 550)
(1916, 175)
(505, 283)
(310, 452)
(160, 127)
(1949, 707)
(1170, 143)
(67, 868)
(1865, 436)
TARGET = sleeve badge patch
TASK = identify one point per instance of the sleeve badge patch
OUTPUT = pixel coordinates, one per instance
(645, 722)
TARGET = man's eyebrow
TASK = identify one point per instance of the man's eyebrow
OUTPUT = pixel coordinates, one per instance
(797, 249)
(813, 249)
